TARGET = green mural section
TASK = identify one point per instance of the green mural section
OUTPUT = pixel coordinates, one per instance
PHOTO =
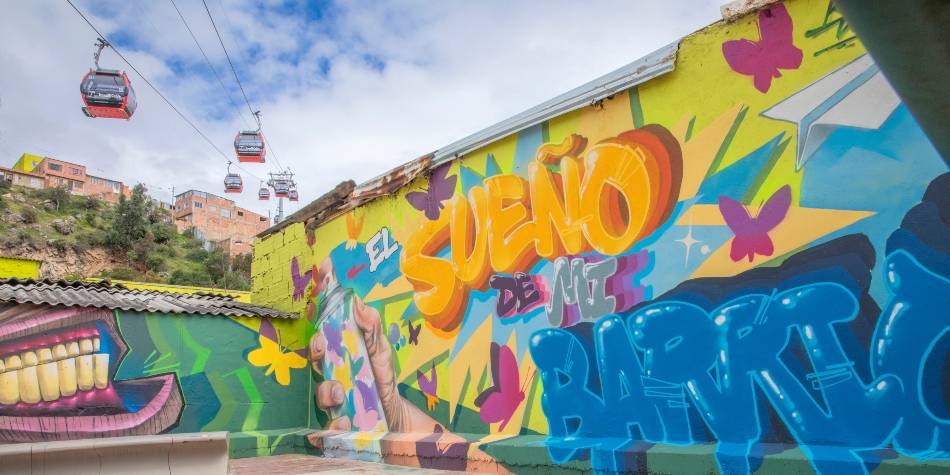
(221, 388)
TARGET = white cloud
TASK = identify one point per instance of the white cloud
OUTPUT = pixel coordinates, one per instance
(450, 69)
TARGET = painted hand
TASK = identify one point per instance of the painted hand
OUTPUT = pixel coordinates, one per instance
(401, 416)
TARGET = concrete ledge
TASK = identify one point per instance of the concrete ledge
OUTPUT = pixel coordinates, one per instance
(529, 454)
(178, 454)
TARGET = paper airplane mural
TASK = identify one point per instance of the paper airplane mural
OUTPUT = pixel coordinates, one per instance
(855, 95)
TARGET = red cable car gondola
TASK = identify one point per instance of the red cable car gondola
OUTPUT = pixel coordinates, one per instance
(249, 144)
(293, 195)
(107, 93)
(233, 182)
(264, 193)
(281, 188)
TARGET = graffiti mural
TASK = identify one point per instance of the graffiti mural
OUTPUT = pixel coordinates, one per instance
(726, 263)
(72, 372)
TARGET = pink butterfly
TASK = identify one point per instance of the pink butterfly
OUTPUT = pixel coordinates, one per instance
(762, 59)
(499, 402)
(752, 234)
(440, 189)
(429, 386)
(300, 281)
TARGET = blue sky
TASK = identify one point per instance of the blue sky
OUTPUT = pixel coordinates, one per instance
(347, 90)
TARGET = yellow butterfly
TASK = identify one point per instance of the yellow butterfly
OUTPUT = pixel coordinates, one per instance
(272, 355)
(353, 229)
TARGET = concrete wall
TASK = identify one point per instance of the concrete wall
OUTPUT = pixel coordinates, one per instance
(149, 374)
(740, 265)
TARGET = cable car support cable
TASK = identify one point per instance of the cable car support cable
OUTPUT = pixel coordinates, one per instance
(154, 88)
(236, 78)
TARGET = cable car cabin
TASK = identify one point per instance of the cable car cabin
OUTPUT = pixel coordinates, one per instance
(249, 146)
(233, 183)
(108, 94)
(292, 194)
(263, 194)
(281, 189)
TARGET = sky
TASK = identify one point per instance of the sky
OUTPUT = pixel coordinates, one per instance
(347, 90)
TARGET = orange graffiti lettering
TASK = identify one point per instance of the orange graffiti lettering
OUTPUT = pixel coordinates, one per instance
(605, 197)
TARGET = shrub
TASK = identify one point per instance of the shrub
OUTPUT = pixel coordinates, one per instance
(163, 233)
(234, 281)
(197, 255)
(199, 278)
(59, 196)
(155, 263)
(121, 273)
(60, 245)
(28, 215)
(26, 236)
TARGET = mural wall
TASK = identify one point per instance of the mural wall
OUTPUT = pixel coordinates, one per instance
(70, 373)
(747, 254)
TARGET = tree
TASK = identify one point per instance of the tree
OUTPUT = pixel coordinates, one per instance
(129, 221)
(241, 264)
(58, 195)
(217, 263)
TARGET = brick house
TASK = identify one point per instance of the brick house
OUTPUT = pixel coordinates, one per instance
(72, 176)
(218, 220)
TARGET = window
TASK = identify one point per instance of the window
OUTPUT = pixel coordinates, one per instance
(35, 182)
(263, 219)
(74, 171)
(225, 212)
(212, 208)
(115, 187)
(95, 181)
(240, 213)
(76, 185)
(198, 204)
(54, 166)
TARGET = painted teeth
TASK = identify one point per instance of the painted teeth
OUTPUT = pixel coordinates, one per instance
(47, 374)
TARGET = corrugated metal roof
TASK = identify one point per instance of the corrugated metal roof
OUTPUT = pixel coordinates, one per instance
(113, 296)
(346, 197)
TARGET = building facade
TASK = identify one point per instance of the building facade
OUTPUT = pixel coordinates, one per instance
(728, 257)
(55, 173)
(218, 220)
(21, 178)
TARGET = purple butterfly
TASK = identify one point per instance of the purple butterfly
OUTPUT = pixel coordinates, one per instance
(499, 402)
(300, 281)
(370, 398)
(428, 385)
(440, 189)
(752, 234)
(414, 332)
(334, 336)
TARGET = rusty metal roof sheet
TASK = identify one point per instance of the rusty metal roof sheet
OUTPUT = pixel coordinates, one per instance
(114, 296)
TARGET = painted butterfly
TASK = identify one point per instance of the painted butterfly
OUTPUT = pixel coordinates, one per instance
(277, 358)
(499, 402)
(414, 332)
(752, 234)
(353, 229)
(762, 59)
(440, 189)
(300, 281)
(428, 385)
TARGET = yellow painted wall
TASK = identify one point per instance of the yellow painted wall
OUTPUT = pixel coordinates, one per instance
(27, 162)
(682, 149)
(19, 268)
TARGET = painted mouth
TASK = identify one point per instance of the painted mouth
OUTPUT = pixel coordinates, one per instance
(57, 370)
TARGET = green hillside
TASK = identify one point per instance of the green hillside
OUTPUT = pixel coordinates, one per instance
(78, 236)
